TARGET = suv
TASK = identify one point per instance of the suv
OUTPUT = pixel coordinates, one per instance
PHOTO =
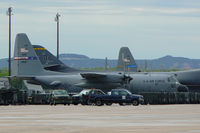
(60, 97)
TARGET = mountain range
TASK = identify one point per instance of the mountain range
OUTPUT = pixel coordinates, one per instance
(163, 63)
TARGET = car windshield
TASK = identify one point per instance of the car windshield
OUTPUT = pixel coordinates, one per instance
(98, 92)
(126, 92)
(84, 92)
(60, 92)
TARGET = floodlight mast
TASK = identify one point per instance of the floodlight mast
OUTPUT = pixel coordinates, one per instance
(9, 13)
(57, 20)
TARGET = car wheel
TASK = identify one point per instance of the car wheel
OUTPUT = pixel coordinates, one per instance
(75, 103)
(108, 104)
(98, 102)
(64, 104)
(135, 102)
(88, 102)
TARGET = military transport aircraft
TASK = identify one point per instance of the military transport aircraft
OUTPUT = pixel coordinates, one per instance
(26, 65)
(126, 61)
(189, 79)
(142, 82)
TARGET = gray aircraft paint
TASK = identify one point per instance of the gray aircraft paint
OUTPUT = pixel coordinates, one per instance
(142, 82)
(126, 61)
(153, 83)
(187, 78)
(50, 62)
(26, 65)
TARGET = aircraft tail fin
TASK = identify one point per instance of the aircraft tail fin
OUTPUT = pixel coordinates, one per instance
(49, 61)
(125, 59)
(25, 60)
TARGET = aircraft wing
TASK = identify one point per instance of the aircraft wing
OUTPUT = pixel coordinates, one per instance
(93, 75)
(112, 78)
(25, 77)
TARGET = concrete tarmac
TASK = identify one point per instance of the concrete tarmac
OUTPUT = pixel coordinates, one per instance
(104, 119)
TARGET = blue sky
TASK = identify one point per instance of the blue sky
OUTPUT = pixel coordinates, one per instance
(98, 28)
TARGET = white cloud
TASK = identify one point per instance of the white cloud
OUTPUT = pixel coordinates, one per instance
(167, 10)
(90, 26)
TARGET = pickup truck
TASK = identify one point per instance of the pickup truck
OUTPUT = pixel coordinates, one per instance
(119, 96)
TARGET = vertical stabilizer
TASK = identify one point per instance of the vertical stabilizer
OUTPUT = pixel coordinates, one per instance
(25, 60)
(50, 62)
(126, 60)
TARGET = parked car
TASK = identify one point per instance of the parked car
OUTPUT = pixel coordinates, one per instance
(84, 96)
(119, 96)
(60, 97)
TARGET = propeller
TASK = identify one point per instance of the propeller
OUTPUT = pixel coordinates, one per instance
(127, 79)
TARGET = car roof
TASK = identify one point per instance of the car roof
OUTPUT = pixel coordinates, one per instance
(119, 89)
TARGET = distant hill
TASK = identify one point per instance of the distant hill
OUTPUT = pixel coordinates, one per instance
(166, 62)
(4, 63)
(73, 57)
(170, 62)
(82, 61)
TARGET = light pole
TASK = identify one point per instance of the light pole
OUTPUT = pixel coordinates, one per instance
(9, 13)
(106, 64)
(57, 20)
